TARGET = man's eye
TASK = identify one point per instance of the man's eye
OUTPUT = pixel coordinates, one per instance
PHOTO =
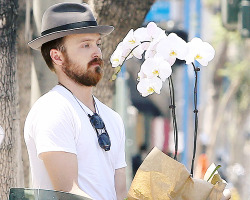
(86, 45)
(99, 45)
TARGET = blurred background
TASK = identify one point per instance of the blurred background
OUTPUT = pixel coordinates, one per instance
(223, 86)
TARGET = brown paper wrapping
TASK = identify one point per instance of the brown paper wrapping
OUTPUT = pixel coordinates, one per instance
(163, 178)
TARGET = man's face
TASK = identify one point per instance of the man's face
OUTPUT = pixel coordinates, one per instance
(82, 58)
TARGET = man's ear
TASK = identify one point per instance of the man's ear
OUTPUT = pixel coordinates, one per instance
(57, 57)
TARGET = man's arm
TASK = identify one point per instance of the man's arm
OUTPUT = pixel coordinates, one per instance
(62, 168)
(120, 183)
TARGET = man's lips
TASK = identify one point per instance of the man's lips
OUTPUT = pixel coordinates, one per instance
(96, 62)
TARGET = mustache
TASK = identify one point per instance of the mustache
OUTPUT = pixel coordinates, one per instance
(95, 61)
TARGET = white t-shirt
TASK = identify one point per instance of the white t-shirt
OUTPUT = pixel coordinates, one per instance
(56, 122)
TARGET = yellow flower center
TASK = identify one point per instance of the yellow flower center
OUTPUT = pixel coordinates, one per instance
(116, 60)
(156, 72)
(150, 90)
(197, 57)
(132, 41)
(173, 53)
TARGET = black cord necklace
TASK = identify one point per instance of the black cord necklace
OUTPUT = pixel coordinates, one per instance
(97, 123)
(96, 108)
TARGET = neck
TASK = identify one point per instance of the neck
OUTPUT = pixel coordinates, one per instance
(81, 92)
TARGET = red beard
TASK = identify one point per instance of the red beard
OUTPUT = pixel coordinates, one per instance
(87, 77)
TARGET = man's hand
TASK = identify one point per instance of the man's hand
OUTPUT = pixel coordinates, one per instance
(120, 183)
(62, 168)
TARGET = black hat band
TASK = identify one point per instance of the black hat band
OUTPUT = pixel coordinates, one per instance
(70, 26)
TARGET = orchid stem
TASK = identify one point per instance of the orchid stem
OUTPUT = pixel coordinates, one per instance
(195, 116)
(172, 107)
(117, 72)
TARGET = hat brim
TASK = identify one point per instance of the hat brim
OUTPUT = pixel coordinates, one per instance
(39, 41)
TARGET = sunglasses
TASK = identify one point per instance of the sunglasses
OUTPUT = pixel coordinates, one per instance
(102, 134)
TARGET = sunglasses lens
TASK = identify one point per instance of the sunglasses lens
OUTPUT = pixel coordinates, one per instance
(104, 141)
(96, 121)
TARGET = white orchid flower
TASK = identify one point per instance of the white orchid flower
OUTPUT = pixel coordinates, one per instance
(130, 42)
(141, 34)
(137, 52)
(201, 51)
(148, 86)
(154, 31)
(121, 52)
(151, 51)
(156, 67)
(172, 47)
(117, 57)
(141, 75)
(148, 34)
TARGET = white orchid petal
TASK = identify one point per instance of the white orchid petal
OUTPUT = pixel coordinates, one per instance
(196, 42)
(208, 50)
(125, 52)
(171, 60)
(156, 67)
(143, 86)
(129, 42)
(151, 51)
(154, 31)
(156, 84)
(148, 67)
(162, 48)
(141, 75)
(148, 86)
(201, 51)
(165, 70)
(116, 58)
(203, 62)
(172, 47)
(189, 60)
(151, 28)
(145, 45)
(129, 56)
(129, 35)
(141, 34)
(138, 51)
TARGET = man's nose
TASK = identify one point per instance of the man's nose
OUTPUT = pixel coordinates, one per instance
(97, 52)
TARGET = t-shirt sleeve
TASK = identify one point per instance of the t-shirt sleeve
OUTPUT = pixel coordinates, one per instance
(121, 160)
(53, 130)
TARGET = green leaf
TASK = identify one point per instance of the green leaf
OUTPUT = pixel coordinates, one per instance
(216, 168)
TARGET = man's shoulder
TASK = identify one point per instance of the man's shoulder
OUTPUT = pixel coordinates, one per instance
(52, 107)
(51, 101)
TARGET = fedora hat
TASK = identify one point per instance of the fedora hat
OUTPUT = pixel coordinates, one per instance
(64, 19)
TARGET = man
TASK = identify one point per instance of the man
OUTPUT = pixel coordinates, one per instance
(75, 143)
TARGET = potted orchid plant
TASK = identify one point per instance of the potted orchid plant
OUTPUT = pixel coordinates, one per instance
(160, 53)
